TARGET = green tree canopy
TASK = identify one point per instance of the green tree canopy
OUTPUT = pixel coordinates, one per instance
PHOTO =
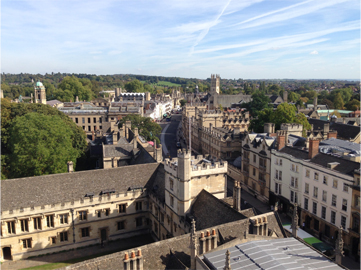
(353, 105)
(338, 101)
(134, 86)
(182, 102)
(257, 124)
(259, 102)
(72, 87)
(40, 144)
(293, 97)
(11, 111)
(147, 128)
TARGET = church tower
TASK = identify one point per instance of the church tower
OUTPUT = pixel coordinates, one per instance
(40, 96)
(215, 84)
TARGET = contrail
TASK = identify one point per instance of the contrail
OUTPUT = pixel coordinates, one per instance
(205, 31)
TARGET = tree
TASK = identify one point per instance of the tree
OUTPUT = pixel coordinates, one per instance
(40, 144)
(259, 102)
(134, 86)
(257, 124)
(147, 128)
(71, 87)
(285, 113)
(328, 103)
(353, 105)
(335, 112)
(293, 97)
(338, 101)
(182, 102)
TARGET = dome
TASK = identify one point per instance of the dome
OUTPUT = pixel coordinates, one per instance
(38, 84)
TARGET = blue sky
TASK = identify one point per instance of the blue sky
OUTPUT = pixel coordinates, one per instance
(250, 39)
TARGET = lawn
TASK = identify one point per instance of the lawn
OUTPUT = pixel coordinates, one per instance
(164, 83)
(311, 240)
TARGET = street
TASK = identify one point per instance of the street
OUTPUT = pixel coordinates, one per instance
(168, 137)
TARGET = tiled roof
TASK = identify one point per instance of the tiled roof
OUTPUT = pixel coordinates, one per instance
(301, 154)
(66, 187)
(116, 150)
(344, 131)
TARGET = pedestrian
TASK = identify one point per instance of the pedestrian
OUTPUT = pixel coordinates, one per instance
(303, 225)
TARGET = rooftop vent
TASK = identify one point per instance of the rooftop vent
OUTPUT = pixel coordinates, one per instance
(107, 191)
(90, 194)
(332, 165)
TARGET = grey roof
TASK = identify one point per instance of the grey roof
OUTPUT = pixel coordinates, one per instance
(286, 253)
(209, 211)
(58, 188)
(118, 150)
(341, 144)
(227, 100)
(301, 154)
(344, 131)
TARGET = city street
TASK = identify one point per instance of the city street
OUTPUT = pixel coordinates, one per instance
(168, 138)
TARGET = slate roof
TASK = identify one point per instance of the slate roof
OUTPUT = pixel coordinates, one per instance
(118, 150)
(209, 211)
(344, 131)
(58, 188)
(301, 154)
(227, 100)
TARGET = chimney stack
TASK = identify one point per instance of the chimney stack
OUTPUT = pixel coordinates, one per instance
(332, 134)
(70, 167)
(313, 148)
(281, 141)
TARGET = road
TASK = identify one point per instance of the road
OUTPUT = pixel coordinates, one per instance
(168, 137)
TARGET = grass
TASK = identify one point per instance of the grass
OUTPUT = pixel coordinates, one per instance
(164, 83)
(311, 240)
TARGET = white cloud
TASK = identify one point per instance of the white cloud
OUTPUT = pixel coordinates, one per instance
(314, 52)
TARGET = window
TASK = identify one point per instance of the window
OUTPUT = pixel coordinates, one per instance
(83, 127)
(171, 201)
(334, 200)
(63, 219)
(276, 174)
(107, 212)
(345, 187)
(343, 222)
(307, 188)
(63, 236)
(280, 162)
(254, 171)
(344, 204)
(50, 221)
(139, 221)
(95, 128)
(138, 206)
(306, 204)
(175, 227)
(262, 163)
(333, 217)
(294, 182)
(85, 232)
(27, 243)
(83, 120)
(76, 120)
(314, 208)
(280, 176)
(94, 120)
(100, 120)
(293, 167)
(316, 225)
(171, 183)
(37, 223)
(24, 225)
(82, 215)
(254, 158)
(11, 227)
(122, 208)
(316, 176)
(325, 180)
(307, 173)
(121, 225)
(295, 198)
(323, 212)
(292, 195)
(356, 201)
(334, 185)
(162, 217)
(315, 192)
(88, 120)
(99, 213)
(53, 240)
(324, 196)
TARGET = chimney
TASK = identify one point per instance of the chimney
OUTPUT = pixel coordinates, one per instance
(70, 167)
(326, 128)
(115, 137)
(332, 134)
(135, 143)
(76, 99)
(136, 133)
(313, 149)
(281, 141)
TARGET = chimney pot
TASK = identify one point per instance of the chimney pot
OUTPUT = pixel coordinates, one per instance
(139, 252)
(132, 254)
(126, 256)
(213, 232)
(70, 166)
(202, 234)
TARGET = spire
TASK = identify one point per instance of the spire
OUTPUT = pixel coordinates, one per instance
(228, 261)
(339, 246)
(193, 245)
(294, 221)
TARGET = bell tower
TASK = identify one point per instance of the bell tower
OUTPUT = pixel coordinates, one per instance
(215, 83)
(40, 96)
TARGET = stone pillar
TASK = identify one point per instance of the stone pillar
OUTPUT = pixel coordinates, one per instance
(237, 196)
(265, 222)
(228, 261)
(193, 245)
(294, 221)
(208, 241)
(214, 238)
(339, 247)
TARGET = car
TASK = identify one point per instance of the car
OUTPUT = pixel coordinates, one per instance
(179, 145)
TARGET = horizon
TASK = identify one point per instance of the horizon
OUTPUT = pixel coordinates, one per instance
(253, 38)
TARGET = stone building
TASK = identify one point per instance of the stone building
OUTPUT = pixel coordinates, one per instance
(40, 94)
(355, 216)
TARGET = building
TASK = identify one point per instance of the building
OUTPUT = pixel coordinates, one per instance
(40, 94)
(318, 183)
